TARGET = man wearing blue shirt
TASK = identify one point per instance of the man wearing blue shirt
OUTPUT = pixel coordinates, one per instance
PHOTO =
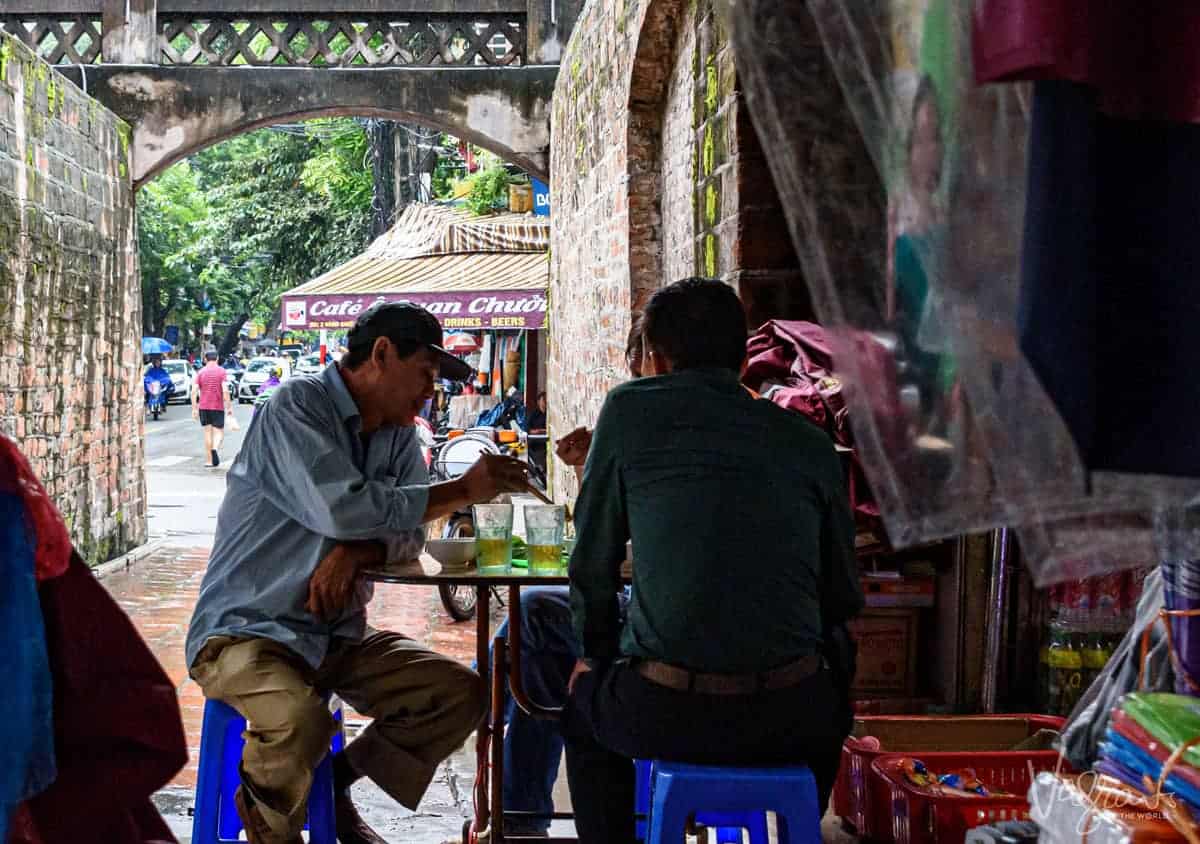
(330, 480)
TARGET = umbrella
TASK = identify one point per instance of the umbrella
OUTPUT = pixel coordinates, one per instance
(460, 342)
(155, 346)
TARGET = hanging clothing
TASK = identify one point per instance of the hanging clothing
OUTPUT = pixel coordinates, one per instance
(27, 730)
(790, 362)
(1110, 270)
(1140, 57)
(91, 726)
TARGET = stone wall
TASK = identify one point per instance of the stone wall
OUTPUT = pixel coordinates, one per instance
(70, 308)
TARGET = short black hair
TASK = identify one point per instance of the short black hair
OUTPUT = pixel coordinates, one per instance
(389, 320)
(210, 355)
(634, 352)
(698, 323)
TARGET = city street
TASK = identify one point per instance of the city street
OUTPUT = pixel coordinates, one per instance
(184, 491)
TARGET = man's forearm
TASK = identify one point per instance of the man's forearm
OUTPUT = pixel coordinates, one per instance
(446, 498)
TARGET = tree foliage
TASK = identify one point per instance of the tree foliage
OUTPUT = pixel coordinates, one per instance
(249, 218)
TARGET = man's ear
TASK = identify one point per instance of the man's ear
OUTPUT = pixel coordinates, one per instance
(379, 352)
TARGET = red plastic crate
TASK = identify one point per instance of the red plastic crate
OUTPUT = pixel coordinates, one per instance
(860, 796)
(919, 817)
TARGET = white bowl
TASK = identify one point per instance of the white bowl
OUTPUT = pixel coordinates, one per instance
(453, 553)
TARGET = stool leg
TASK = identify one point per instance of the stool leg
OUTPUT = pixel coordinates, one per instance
(208, 798)
(641, 796)
(229, 825)
(322, 822)
(757, 825)
(668, 816)
(798, 827)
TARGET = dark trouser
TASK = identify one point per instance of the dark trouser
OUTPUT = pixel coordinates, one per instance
(615, 715)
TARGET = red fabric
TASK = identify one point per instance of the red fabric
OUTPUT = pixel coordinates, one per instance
(1141, 56)
(798, 356)
(210, 381)
(53, 543)
(117, 730)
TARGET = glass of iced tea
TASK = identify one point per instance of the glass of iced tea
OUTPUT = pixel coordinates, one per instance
(493, 538)
(544, 537)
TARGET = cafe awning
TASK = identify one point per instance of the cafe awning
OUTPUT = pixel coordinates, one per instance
(471, 272)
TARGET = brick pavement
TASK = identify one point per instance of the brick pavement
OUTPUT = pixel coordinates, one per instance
(159, 592)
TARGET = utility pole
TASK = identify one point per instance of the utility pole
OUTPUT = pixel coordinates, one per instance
(381, 143)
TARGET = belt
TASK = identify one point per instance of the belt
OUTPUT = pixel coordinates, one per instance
(682, 680)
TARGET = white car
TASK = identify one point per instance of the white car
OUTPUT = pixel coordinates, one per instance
(181, 378)
(258, 370)
(309, 365)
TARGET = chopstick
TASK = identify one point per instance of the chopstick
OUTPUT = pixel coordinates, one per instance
(541, 496)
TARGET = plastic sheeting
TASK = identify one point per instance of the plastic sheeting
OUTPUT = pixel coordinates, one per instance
(956, 431)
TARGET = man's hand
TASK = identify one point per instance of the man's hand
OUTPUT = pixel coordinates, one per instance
(195, 411)
(573, 448)
(581, 667)
(332, 584)
(493, 474)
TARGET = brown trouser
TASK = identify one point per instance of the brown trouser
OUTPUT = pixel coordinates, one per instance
(423, 705)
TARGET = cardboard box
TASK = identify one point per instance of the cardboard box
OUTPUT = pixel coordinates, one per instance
(887, 652)
(899, 592)
(520, 198)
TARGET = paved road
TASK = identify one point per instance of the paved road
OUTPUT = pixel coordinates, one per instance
(184, 491)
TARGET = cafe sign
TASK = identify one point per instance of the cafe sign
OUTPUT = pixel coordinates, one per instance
(513, 309)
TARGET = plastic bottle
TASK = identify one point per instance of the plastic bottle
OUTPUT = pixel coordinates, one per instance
(1065, 668)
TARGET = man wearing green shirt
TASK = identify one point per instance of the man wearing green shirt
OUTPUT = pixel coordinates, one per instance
(744, 561)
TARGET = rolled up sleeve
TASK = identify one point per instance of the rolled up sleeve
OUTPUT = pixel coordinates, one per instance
(602, 529)
(308, 476)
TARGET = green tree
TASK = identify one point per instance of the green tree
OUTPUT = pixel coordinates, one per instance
(171, 210)
(284, 208)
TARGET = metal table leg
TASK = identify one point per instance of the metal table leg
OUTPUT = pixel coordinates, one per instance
(516, 682)
(484, 733)
(499, 677)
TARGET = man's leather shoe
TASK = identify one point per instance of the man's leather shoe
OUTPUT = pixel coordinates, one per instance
(351, 828)
(257, 830)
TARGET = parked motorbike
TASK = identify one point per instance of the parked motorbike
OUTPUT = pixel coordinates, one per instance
(158, 392)
(453, 454)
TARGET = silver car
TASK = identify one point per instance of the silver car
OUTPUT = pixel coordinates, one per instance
(181, 379)
(258, 370)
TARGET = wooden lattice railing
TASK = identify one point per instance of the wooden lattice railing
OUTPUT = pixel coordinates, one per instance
(311, 40)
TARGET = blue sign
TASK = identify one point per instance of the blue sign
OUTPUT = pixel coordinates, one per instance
(541, 198)
(171, 335)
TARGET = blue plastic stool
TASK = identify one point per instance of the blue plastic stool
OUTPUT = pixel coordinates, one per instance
(729, 825)
(679, 791)
(215, 819)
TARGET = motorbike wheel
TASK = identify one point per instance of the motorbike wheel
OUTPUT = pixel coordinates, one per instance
(155, 412)
(459, 601)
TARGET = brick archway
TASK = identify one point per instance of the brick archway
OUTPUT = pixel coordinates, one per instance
(175, 111)
(651, 69)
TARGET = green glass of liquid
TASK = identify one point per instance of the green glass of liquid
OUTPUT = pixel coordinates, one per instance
(493, 538)
(544, 526)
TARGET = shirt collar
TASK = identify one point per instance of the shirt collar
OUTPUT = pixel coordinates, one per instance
(721, 378)
(342, 400)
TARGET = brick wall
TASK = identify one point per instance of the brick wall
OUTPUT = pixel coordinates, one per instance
(657, 174)
(677, 158)
(70, 308)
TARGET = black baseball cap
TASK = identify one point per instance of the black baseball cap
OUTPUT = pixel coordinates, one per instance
(401, 322)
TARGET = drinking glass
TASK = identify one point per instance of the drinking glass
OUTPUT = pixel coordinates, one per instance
(544, 537)
(493, 538)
